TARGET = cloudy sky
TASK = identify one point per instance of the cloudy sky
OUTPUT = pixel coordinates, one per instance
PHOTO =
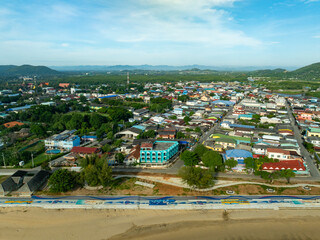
(171, 32)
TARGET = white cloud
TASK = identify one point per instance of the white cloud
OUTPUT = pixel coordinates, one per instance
(177, 21)
(317, 36)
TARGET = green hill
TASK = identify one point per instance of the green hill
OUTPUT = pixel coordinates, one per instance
(26, 70)
(310, 72)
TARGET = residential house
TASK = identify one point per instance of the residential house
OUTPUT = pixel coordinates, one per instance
(226, 142)
(273, 120)
(134, 156)
(279, 154)
(238, 155)
(129, 133)
(313, 132)
(314, 140)
(85, 151)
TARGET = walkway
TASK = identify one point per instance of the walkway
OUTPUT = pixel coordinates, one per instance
(177, 182)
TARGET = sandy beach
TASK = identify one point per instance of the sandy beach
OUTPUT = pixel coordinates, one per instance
(36, 223)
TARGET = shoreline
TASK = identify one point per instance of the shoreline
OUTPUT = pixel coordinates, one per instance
(37, 223)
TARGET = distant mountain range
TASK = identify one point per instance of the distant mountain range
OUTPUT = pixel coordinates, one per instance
(102, 68)
(26, 70)
(309, 72)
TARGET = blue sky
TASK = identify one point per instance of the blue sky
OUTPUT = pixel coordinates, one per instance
(171, 32)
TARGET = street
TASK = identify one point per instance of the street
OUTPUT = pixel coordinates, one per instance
(315, 175)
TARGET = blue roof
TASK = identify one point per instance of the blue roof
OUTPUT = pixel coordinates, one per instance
(238, 153)
(242, 126)
(109, 96)
(223, 102)
(19, 108)
(89, 137)
(245, 115)
(139, 127)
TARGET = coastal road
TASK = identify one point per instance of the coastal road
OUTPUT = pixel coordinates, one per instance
(314, 172)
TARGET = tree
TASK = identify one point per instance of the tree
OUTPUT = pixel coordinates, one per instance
(105, 175)
(173, 117)
(62, 180)
(106, 148)
(45, 165)
(38, 130)
(196, 177)
(119, 157)
(96, 120)
(200, 150)
(180, 135)
(90, 175)
(83, 99)
(212, 159)
(288, 174)
(309, 147)
(197, 129)
(186, 119)
(230, 163)
(189, 158)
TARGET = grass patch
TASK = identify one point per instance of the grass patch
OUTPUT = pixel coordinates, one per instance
(122, 183)
(37, 147)
(3, 178)
(38, 160)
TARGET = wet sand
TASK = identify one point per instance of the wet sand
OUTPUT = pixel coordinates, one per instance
(36, 223)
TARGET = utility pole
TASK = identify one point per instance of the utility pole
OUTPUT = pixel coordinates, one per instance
(32, 160)
(4, 161)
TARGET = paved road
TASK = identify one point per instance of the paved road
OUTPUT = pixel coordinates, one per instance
(315, 175)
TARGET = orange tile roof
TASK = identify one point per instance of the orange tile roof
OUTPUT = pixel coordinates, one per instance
(277, 150)
(12, 124)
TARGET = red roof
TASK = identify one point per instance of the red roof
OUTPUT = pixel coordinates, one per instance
(135, 152)
(85, 150)
(278, 150)
(295, 165)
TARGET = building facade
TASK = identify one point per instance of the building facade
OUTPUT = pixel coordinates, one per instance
(158, 153)
(65, 140)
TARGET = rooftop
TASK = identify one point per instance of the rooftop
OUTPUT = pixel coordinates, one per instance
(12, 124)
(291, 164)
(159, 145)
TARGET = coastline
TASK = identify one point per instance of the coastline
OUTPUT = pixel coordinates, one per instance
(38, 223)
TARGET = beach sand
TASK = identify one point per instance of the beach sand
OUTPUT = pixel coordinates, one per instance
(36, 223)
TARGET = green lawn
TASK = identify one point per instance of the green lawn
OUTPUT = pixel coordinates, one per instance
(42, 158)
(37, 160)
(36, 147)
